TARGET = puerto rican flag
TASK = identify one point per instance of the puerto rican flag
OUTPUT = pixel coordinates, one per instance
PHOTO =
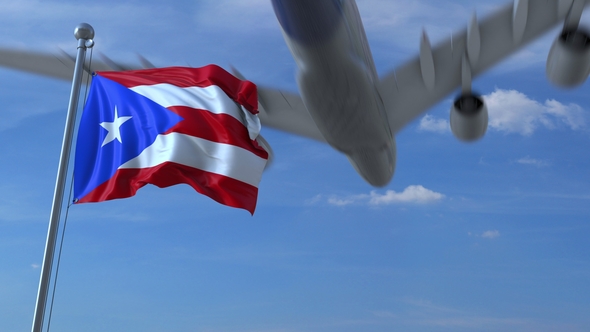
(169, 126)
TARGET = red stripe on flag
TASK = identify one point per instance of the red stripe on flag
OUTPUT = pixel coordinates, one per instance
(220, 128)
(222, 189)
(243, 92)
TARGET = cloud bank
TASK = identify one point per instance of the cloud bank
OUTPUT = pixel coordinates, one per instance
(534, 162)
(511, 111)
(490, 234)
(414, 194)
(432, 124)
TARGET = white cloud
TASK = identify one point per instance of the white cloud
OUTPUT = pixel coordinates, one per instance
(512, 111)
(35, 266)
(412, 194)
(490, 234)
(340, 201)
(531, 161)
(432, 124)
(415, 194)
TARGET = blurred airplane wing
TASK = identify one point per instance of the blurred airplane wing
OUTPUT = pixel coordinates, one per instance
(413, 88)
(38, 63)
(59, 66)
(285, 111)
(280, 110)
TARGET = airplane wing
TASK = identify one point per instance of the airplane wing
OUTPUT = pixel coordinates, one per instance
(413, 88)
(285, 111)
(53, 65)
(280, 109)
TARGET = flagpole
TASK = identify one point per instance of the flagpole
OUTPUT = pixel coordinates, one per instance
(84, 33)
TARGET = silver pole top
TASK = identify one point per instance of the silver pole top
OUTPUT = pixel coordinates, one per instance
(84, 31)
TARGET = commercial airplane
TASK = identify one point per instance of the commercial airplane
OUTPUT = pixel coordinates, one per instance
(345, 103)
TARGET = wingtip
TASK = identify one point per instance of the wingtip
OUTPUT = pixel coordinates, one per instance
(145, 63)
(237, 73)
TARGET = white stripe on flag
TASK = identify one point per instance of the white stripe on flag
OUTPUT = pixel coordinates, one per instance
(223, 159)
(211, 98)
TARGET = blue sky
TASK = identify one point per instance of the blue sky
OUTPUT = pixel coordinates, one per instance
(490, 236)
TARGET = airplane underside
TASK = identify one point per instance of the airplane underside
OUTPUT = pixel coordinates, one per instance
(337, 85)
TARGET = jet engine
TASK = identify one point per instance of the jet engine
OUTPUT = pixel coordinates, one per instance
(469, 117)
(568, 63)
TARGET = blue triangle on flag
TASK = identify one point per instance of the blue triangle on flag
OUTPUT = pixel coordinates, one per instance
(96, 163)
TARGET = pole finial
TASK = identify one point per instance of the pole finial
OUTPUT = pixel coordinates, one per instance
(84, 31)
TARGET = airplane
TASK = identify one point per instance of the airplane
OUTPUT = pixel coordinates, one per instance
(343, 101)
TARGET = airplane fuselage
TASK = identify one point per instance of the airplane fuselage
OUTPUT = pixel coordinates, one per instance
(337, 81)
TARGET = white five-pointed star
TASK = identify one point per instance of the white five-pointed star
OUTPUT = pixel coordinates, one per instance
(113, 128)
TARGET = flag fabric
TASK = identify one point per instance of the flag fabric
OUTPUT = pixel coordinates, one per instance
(169, 126)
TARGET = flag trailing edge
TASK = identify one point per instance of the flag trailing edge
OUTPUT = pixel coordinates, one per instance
(168, 126)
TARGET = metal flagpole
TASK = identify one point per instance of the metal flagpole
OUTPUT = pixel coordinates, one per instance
(84, 33)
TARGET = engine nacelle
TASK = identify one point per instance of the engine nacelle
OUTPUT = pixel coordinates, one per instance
(469, 117)
(568, 63)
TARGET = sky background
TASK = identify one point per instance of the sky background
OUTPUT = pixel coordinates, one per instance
(489, 236)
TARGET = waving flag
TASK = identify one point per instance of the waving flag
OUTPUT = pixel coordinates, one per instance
(169, 126)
